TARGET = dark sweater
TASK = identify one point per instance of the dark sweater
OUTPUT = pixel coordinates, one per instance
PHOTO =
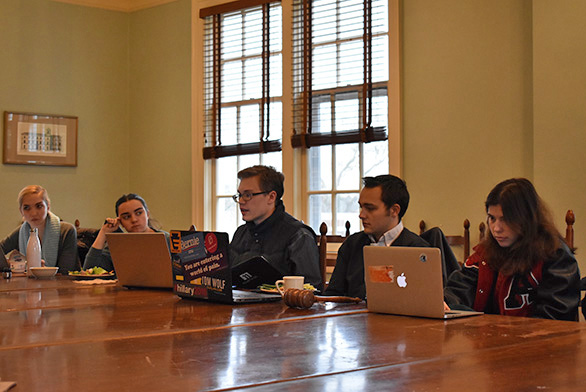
(67, 259)
(348, 276)
(287, 244)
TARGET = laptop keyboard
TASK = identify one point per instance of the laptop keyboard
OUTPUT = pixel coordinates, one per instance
(244, 294)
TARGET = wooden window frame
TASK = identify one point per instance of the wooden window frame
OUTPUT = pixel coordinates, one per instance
(213, 147)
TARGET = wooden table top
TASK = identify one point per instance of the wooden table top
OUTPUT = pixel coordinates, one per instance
(64, 311)
(110, 338)
(18, 283)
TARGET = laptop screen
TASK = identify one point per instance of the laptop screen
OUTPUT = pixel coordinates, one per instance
(141, 259)
(404, 280)
(3, 261)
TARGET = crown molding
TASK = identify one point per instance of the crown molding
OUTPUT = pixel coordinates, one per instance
(118, 5)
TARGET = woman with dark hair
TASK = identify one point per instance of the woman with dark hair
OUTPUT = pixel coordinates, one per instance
(523, 267)
(132, 214)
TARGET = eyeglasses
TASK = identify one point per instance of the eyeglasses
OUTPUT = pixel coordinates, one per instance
(246, 196)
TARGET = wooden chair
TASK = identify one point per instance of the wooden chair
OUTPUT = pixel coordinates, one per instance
(328, 259)
(482, 230)
(455, 240)
(570, 220)
(85, 238)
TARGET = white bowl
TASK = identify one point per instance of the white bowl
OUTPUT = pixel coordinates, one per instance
(44, 272)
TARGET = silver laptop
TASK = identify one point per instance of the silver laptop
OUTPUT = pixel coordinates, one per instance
(406, 281)
(141, 259)
(3, 262)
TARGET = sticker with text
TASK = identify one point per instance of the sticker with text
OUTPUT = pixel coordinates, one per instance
(192, 247)
(192, 291)
(205, 266)
(381, 274)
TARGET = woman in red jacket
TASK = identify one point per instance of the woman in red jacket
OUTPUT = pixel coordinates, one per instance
(523, 267)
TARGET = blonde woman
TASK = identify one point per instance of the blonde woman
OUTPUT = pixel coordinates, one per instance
(58, 238)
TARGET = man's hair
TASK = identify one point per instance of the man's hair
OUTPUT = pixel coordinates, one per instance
(525, 213)
(269, 179)
(394, 191)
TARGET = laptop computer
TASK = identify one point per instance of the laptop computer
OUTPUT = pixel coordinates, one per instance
(141, 259)
(202, 269)
(3, 261)
(254, 272)
(406, 281)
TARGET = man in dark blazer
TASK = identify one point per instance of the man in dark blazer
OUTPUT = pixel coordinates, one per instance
(383, 202)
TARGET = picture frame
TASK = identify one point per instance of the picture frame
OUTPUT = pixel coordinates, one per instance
(40, 139)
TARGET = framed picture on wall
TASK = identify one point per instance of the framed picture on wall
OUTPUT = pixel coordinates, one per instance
(40, 139)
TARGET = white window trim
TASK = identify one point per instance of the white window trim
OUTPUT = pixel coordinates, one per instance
(294, 160)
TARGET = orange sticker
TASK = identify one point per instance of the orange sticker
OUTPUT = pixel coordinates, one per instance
(381, 273)
(175, 241)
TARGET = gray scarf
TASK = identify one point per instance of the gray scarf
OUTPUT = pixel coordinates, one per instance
(50, 245)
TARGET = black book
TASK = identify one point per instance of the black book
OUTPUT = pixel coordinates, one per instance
(254, 272)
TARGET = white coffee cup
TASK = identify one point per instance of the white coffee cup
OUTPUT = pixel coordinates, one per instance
(290, 282)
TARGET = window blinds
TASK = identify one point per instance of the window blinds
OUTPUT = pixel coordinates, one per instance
(340, 70)
(242, 86)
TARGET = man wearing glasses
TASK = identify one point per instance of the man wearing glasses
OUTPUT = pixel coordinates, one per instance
(288, 244)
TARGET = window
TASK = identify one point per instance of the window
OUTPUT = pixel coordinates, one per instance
(243, 89)
(340, 75)
(342, 99)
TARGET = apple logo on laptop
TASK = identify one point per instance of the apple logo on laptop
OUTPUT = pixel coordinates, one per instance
(402, 280)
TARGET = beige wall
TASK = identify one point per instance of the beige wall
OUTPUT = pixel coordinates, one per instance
(64, 59)
(491, 89)
(160, 111)
(559, 81)
(127, 78)
(467, 115)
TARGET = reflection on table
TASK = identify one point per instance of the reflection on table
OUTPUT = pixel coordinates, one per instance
(111, 338)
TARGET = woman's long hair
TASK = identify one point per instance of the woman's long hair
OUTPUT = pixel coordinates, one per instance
(526, 214)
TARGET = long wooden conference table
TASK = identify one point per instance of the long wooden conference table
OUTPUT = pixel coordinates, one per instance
(59, 335)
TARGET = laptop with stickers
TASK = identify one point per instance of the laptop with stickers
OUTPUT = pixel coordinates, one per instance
(406, 281)
(202, 269)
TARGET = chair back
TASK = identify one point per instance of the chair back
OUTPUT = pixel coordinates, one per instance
(482, 231)
(570, 220)
(85, 239)
(322, 243)
(455, 240)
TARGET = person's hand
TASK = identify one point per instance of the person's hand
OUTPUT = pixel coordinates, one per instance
(110, 225)
(446, 307)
